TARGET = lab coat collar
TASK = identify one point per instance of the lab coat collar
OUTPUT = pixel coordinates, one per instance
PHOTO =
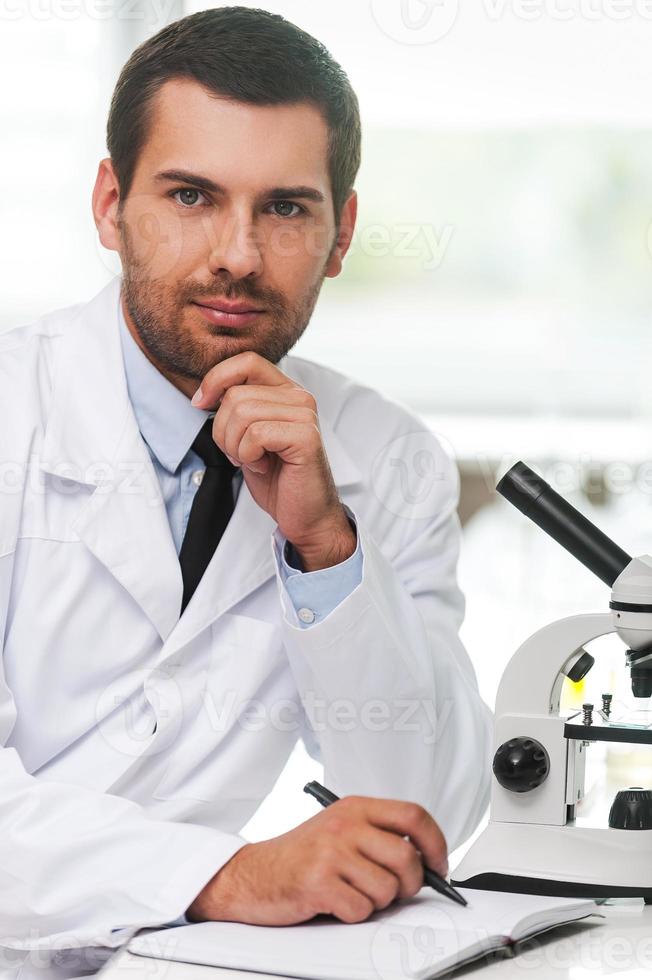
(92, 437)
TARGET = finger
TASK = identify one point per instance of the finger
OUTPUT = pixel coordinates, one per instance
(248, 413)
(294, 442)
(290, 394)
(379, 885)
(414, 821)
(397, 855)
(248, 367)
(347, 903)
(229, 428)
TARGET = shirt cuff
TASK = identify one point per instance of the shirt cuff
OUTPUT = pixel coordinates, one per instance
(314, 595)
(181, 921)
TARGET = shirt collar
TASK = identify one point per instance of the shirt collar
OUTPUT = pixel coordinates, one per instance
(166, 419)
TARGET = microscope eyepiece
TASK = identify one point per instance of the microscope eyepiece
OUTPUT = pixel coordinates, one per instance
(537, 500)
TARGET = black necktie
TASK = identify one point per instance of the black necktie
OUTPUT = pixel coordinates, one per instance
(211, 509)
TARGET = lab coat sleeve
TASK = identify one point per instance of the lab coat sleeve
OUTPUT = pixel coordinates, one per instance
(80, 868)
(390, 697)
(315, 594)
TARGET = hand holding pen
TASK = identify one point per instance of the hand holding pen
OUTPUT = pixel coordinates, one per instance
(347, 861)
(430, 877)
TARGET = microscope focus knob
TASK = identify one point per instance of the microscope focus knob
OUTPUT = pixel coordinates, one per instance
(521, 764)
(631, 809)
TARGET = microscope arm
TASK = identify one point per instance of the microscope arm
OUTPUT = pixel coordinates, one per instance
(532, 680)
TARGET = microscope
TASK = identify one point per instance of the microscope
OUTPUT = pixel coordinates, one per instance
(533, 843)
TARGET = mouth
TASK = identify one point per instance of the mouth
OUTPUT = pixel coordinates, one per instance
(225, 314)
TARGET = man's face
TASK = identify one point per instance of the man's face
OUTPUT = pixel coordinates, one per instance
(257, 229)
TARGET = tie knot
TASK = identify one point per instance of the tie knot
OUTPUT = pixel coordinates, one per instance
(206, 447)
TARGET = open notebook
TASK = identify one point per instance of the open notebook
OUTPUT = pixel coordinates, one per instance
(416, 938)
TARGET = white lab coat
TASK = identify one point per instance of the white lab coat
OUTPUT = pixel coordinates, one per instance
(128, 765)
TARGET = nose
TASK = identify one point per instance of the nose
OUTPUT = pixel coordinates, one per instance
(236, 249)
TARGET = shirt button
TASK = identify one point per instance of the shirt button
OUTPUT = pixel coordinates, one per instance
(306, 615)
(197, 477)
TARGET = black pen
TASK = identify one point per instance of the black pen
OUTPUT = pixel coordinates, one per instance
(430, 877)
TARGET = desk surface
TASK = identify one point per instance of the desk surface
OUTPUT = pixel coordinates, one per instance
(620, 945)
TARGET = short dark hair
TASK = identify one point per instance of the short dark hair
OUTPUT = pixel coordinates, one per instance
(247, 55)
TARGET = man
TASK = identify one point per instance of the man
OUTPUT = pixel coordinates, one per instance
(154, 683)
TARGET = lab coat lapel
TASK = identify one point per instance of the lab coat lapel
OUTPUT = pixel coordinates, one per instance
(244, 558)
(92, 433)
(241, 563)
(93, 438)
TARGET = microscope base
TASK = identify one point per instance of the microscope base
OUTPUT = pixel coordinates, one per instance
(582, 862)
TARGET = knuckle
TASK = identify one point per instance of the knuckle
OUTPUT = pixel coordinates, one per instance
(345, 913)
(308, 414)
(357, 910)
(387, 892)
(315, 875)
(345, 804)
(308, 399)
(346, 809)
(337, 824)
(407, 855)
(412, 882)
(240, 408)
(321, 869)
(327, 852)
(417, 816)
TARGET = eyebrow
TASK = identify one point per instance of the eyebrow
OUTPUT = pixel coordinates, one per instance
(205, 184)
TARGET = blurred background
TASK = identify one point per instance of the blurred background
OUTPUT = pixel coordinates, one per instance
(499, 284)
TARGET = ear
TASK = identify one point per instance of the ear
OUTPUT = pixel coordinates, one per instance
(344, 236)
(106, 197)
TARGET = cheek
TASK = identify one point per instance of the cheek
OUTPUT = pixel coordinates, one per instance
(298, 250)
(158, 240)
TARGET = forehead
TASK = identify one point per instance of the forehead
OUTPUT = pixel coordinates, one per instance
(238, 144)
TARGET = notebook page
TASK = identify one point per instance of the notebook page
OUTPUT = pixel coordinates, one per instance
(513, 915)
(413, 939)
(323, 950)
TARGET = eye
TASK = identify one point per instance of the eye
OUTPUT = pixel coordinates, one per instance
(284, 206)
(187, 192)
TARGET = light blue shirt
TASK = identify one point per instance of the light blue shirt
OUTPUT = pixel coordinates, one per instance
(169, 424)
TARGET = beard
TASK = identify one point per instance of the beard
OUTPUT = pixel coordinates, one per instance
(159, 310)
